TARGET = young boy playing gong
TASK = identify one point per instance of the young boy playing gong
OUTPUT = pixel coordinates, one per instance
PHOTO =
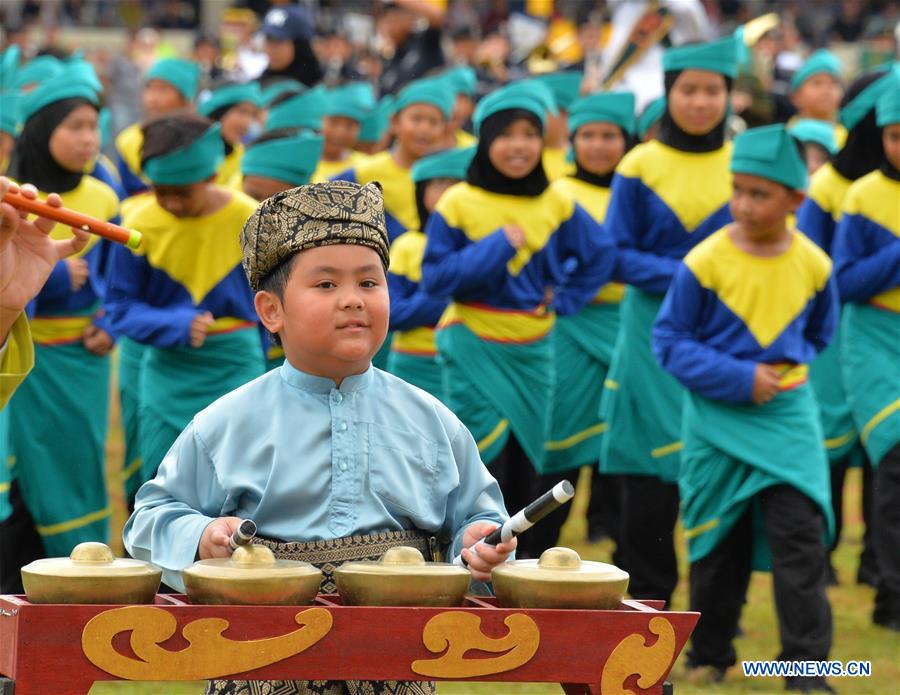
(335, 460)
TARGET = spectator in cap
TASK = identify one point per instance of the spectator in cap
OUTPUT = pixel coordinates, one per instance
(289, 31)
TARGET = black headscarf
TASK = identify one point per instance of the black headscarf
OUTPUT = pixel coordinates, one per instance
(484, 174)
(304, 68)
(601, 180)
(863, 152)
(31, 161)
(670, 134)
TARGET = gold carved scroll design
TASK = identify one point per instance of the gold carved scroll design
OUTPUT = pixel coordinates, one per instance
(633, 656)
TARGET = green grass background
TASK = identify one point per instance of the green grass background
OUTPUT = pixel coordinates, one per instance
(855, 638)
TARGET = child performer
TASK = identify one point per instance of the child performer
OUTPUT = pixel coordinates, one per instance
(867, 265)
(235, 106)
(346, 107)
(414, 313)
(746, 312)
(377, 462)
(818, 218)
(817, 138)
(275, 162)
(374, 129)
(816, 91)
(495, 244)
(183, 293)
(419, 120)
(58, 417)
(667, 195)
(170, 85)
(602, 127)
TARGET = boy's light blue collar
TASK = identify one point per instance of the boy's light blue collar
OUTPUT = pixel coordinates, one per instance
(320, 384)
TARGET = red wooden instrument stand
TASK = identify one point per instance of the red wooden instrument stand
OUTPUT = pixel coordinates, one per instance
(63, 649)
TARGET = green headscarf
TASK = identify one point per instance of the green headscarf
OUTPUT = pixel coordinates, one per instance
(651, 114)
(184, 75)
(510, 97)
(72, 82)
(302, 111)
(276, 89)
(196, 162)
(449, 164)
(354, 100)
(714, 56)
(819, 132)
(771, 153)
(36, 71)
(429, 91)
(819, 62)
(374, 125)
(231, 95)
(887, 108)
(604, 107)
(564, 85)
(292, 159)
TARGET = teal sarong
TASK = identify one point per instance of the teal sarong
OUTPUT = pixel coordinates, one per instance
(732, 452)
(177, 383)
(871, 362)
(58, 421)
(423, 371)
(583, 347)
(641, 404)
(131, 354)
(380, 359)
(5, 464)
(495, 388)
(828, 385)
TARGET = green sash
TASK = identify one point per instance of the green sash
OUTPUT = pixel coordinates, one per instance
(497, 387)
(732, 452)
(583, 346)
(131, 354)
(58, 421)
(641, 404)
(5, 509)
(419, 370)
(380, 359)
(871, 354)
(177, 383)
(828, 385)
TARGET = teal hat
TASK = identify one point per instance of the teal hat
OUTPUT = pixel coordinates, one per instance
(10, 104)
(537, 90)
(511, 97)
(301, 111)
(276, 89)
(9, 63)
(449, 164)
(565, 86)
(818, 62)
(81, 70)
(462, 79)
(72, 82)
(104, 125)
(865, 101)
(354, 100)
(771, 153)
(196, 162)
(184, 75)
(714, 56)
(604, 107)
(429, 91)
(651, 114)
(887, 108)
(819, 132)
(292, 159)
(374, 125)
(37, 70)
(231, 95)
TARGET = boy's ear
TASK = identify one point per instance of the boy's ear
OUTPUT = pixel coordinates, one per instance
(269, 309)
(797, 198)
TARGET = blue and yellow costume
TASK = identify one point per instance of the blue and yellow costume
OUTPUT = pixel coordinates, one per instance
(185, 266)
(69, 386)
(354, 101)
(584, 342)
(415, 313)
(821, 62)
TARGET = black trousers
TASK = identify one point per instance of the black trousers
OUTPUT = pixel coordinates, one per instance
(795, 529)
(886, 531)
(604, 508)
(20, 544)
(868, 564)
(647, 546)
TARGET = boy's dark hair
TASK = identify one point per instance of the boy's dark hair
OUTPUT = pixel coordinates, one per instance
(171, 132)
(277, 134)
(283, 97)
(275, 282)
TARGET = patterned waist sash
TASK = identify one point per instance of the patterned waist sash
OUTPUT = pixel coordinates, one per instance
(329, 554)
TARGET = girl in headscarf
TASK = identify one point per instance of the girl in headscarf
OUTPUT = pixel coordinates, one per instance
(510, 252)
(59, 415)
(235, 106)
(667, 195)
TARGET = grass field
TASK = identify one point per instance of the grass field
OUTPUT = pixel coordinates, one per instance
(855, 638)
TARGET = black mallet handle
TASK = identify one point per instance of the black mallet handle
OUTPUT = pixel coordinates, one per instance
(243, 534)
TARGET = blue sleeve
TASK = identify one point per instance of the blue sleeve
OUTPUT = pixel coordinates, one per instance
(131, 315)
(824, 316)
(816, 223)
(411, 307)
(101, 173)
(700, 368)
(172, 510)
(861, 273)
(59, 284)
(131, 182)
(454, 264)
(589, 259)
(394, 227)
(625, 220)
(349, 175)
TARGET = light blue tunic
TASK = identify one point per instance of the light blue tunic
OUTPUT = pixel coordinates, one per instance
(308, 461)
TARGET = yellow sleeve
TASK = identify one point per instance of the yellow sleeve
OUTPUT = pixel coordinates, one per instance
(17, 360)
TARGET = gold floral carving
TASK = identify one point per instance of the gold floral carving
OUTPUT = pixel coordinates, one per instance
(458, 632)
(209, 654)
(633, 656)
